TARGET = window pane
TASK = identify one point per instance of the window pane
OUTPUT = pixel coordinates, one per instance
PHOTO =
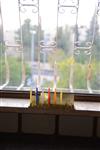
(50, 44)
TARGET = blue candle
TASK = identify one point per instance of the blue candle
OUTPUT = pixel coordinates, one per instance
(37, 97)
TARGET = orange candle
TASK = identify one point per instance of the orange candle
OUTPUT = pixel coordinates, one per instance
(55, 97)
(61, 97)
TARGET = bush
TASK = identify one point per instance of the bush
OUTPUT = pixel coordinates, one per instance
(15, 71)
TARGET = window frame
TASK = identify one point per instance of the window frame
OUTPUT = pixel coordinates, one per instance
(25, 95)
(87, 97)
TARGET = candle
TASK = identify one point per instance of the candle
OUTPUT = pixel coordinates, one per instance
(37, 97)
(49, 96)
(55, 97)
(42, 96)
(61, 94)
(30, 96)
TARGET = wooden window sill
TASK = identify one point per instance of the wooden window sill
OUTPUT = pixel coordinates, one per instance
(22, 106)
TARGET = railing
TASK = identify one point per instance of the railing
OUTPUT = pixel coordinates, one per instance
(51, 45)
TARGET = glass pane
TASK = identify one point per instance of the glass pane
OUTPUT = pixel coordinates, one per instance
(50, 44)
(67, 15)
(86, 48)
(11, 75)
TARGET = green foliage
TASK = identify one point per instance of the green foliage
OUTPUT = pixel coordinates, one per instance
(2, 48)
(1, 30)
(94, 23)
(63, 70)
(63, 73)
(64, 41)
(64, 44)
(79, 75)
(27, 29)
(47, 84)
(2, 70)
(26, 33)
(15, 71)
(58, 55)
(95, 75)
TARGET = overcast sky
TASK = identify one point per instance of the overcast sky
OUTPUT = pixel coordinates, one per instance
(48, 13)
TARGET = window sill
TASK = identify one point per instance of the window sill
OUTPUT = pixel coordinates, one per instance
(22, 106)
(25, 95)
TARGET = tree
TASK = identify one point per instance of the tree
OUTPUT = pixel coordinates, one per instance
(26, 33)
(27, 29)
(92, 34)
(15, 74)
(94, 27)
(1, 27)
(64, 39)
(1, 34)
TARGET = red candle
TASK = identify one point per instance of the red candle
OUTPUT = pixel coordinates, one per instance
(55, 97)
(49, 96)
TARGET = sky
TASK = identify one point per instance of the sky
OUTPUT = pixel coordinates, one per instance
(48, 13)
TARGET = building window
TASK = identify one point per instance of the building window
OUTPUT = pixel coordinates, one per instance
(47, 43)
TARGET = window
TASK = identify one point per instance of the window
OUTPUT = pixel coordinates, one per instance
(50, 43)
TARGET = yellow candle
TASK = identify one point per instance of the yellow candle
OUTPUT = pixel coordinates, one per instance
(55, 97)
(45, 98)
(42, 96)
(30, 95)
(61, 94)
